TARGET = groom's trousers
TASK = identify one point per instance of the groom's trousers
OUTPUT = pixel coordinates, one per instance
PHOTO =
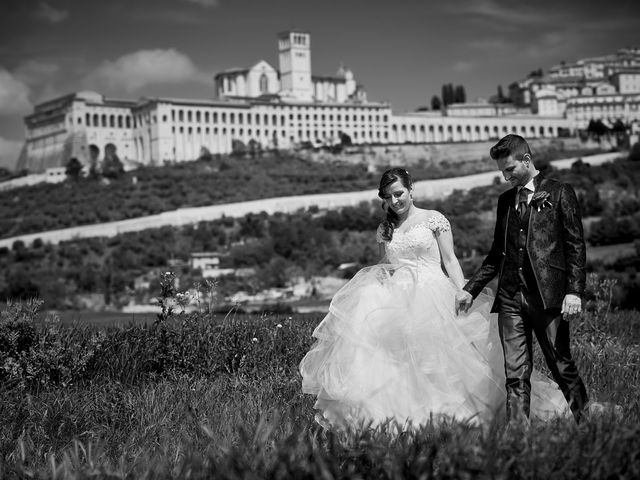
(520, 315)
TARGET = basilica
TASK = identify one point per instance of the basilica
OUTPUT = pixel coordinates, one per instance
(273, 108)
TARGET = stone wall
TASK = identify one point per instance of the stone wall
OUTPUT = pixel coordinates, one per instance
(407, 155)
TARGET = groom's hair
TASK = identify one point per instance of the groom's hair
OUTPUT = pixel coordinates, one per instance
(511, 144)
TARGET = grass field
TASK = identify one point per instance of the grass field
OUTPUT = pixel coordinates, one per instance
(200, 396)
(608, 254)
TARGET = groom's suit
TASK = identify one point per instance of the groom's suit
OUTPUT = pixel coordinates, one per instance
(539, 256)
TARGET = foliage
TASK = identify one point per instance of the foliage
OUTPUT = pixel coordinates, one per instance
(156, 189)
(73, 169)
(35, 358)
(634, 153)
(436, 104)
(201, 396)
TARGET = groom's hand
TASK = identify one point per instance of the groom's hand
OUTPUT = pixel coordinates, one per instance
(463, 301)
(571, 305)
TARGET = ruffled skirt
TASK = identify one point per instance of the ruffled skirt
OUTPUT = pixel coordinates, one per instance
(393, 348)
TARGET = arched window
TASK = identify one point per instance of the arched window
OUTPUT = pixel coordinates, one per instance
(264, 83)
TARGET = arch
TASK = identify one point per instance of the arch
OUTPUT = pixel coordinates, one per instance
(104, 120)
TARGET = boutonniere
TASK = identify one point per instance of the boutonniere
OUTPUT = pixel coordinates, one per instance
(540, 200)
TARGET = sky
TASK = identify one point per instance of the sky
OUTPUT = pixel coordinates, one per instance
(401, 51)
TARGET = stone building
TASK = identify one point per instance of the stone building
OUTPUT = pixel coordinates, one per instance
(256, 107)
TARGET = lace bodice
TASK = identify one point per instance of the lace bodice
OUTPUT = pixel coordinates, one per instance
(417, 244)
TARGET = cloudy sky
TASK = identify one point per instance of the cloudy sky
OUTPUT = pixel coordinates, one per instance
(402, 51)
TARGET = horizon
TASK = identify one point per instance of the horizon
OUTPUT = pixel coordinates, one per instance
(401, 53)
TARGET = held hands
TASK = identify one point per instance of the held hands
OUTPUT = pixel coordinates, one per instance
(463, 301)
(571, 305)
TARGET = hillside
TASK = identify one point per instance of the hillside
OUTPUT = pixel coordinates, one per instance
(281, 247)
(213, 181)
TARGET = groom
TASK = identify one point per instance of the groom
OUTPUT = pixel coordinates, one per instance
(538, 253)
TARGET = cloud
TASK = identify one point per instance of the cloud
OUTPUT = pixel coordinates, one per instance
(51, 14)
(462, 66)
(205, 3)
(14, 94)
(9, 152)
(144, 67)
(35, 73)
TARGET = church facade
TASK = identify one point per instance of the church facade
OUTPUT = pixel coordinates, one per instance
(258, 106)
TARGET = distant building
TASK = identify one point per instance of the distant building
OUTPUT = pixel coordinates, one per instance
(259, 105)
(600, 88)
(209, 264)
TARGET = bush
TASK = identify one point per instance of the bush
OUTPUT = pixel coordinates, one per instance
(634, 153)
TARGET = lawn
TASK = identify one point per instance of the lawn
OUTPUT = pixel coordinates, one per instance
(215, 396)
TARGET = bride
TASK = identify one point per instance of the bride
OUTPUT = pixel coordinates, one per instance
(392, 346)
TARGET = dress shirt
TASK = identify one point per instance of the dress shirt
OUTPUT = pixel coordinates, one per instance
(531, 187)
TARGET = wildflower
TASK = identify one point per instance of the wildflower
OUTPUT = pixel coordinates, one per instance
(254, 340)
(279, 325)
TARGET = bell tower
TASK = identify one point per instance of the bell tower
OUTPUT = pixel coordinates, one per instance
(294, 48)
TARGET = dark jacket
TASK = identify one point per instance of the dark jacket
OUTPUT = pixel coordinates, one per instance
(555, 244)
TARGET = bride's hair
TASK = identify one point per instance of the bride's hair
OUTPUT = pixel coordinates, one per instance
(390, 176)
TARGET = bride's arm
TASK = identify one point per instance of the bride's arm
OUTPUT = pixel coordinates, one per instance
(382, 253)
(449, 259)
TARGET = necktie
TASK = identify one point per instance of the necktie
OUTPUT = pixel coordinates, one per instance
(523, 195)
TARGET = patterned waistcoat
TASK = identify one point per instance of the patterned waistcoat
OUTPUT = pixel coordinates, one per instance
(517, 271)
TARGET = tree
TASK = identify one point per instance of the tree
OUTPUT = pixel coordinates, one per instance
(345, 139)
(94, 161)
(112, 166)
(447, 94)
(435, 103)
(238, 148)
(597, 129)
(255, 148)
(205, 154)
(501, 98)
(634, 153)
(73, 169)
(460, 95)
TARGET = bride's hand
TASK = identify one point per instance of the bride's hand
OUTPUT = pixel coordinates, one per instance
(463, 301)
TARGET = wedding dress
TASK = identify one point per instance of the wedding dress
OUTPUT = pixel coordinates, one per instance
(392, 346)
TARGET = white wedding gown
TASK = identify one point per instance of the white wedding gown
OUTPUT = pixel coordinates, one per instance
(392, 346)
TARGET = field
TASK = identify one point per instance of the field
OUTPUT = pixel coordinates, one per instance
(214, 396)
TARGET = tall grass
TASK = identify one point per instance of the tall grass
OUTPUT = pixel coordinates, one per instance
(204, 396)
